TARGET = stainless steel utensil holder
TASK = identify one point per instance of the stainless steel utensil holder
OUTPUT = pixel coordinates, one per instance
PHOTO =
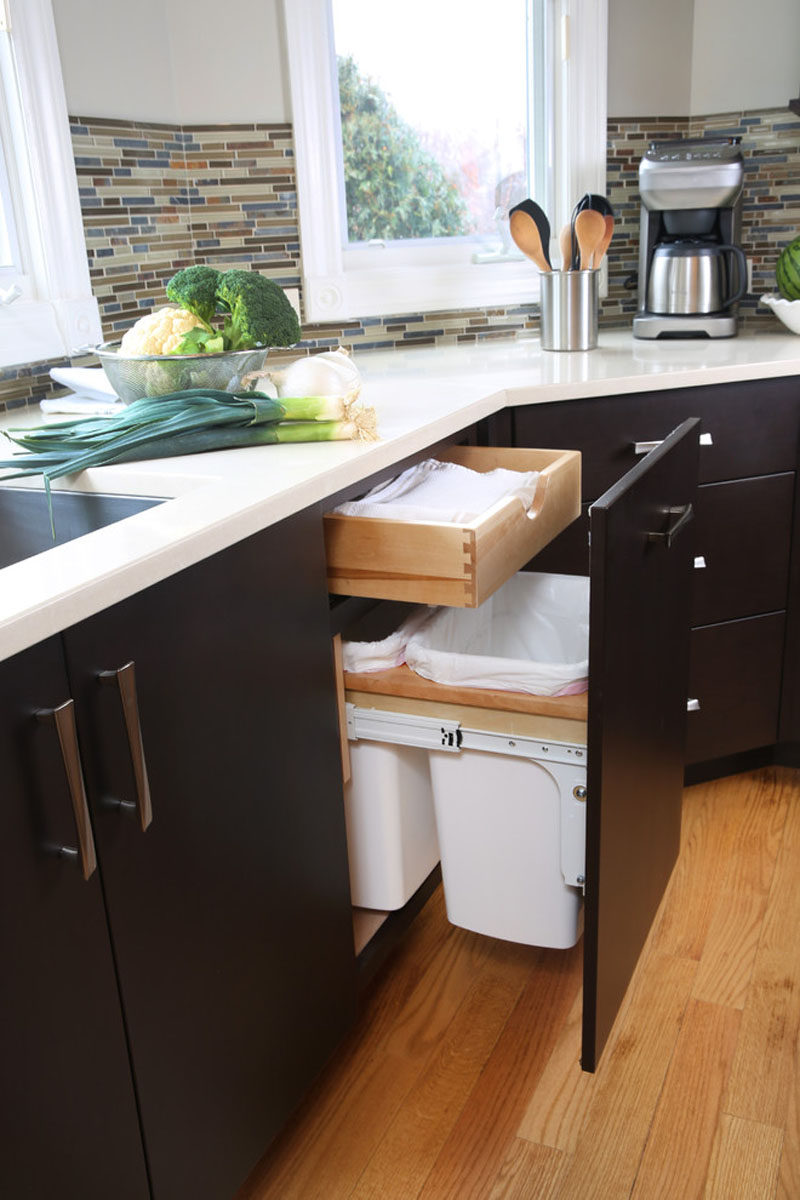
(569, 310)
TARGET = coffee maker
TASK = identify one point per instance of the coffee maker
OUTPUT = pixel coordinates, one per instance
(692, 270)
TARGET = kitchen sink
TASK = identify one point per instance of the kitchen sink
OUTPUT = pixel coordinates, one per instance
(25, 527)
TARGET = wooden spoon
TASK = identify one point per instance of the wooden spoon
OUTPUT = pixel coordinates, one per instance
(602, 245)
(539, 218)
(526, 235)
(590, 227)
(565, 246)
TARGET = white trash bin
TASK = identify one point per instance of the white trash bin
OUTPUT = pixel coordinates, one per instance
(500, 822)
(509, 809)
(391, 829)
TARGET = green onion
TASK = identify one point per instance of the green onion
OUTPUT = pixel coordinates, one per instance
(320, 408)
(189, 422)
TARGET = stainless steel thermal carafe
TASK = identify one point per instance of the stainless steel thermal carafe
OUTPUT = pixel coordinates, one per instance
(691, 277)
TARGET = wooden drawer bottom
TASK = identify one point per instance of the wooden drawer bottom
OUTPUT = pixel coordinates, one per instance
(735, 675)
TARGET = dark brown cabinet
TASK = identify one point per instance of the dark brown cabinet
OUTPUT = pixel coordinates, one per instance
(70, 1126)
(744, 538)
(161, 1018)
(641, 551)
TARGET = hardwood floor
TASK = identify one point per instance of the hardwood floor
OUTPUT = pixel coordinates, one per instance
(461, 1078)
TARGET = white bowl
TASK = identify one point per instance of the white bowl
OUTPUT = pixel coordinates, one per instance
(787, 311)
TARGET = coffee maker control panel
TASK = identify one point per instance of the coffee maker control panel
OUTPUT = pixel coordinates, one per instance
(693, 173)
(695, 150)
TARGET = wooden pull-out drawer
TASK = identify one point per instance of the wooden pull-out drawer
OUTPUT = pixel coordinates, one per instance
(430, 562)
(518, 714)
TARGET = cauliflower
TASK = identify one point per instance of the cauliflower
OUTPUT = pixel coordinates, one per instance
(160, 332)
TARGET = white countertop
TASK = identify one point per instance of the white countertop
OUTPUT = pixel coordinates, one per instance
(421, 395)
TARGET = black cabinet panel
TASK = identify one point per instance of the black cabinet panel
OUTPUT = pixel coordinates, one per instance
(754, 428)
(735, 675)
(230, 914)
(744, 530)
(638, 651)
(743, 534)
(70, 1127)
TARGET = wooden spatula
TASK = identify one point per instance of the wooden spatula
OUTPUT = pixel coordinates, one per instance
(525, 233)
(590, 227)
(603, 244)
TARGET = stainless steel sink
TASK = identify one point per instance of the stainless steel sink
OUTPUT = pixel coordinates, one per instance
(25, 527)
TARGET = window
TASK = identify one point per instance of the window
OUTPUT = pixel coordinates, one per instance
(44, 274)
(475, 113)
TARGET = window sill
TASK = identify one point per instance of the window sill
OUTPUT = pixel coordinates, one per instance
(378, 292)
(32, 333)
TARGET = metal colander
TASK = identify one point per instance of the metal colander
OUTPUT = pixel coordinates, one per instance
(140, 375)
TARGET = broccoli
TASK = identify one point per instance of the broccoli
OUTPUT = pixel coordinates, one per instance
(195, 289)
(257, 310)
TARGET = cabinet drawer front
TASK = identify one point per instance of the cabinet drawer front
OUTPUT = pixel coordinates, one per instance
(742, 535)
(735, 675)
(753, 429)
(429, 562)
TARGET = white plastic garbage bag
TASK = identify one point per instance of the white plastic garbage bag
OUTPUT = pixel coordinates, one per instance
(389, 651)
(442, 491)
(531, 636)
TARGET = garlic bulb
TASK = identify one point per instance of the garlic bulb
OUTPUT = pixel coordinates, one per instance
(332, 373)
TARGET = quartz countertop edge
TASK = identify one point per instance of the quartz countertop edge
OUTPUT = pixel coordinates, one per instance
(422, 396)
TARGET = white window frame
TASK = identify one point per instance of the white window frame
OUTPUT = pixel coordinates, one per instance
(56, 311)
(338, 284)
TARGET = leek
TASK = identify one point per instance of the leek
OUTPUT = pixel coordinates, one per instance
(189, 422)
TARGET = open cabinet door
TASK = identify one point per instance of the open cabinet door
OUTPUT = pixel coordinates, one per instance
(641, 561)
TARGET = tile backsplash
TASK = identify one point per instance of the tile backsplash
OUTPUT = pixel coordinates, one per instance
(156, 198)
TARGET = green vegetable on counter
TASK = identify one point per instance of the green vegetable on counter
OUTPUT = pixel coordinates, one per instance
(195, 289)
(188, 422)
(787, 271)
(255, 310)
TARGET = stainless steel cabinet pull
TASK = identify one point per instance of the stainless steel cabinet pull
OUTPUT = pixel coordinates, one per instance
(699, 562)
(693, 706)
(645, 447)
(125, 679)
(63, 719)
(680, 516)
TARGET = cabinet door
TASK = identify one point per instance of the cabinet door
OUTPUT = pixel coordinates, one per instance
(230, 913)
(70, 1127)
(641, 562)
(742, 540)
(735, 684)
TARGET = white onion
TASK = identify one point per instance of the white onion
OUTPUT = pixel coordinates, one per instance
(332, 373)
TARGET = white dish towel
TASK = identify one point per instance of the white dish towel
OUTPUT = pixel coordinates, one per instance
(442, 491)
(91, 395)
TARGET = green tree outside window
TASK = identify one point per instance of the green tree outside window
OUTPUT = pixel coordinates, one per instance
(394, 188)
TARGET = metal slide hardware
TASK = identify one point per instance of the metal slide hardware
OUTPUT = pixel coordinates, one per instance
(645, 447)
(62, 719)
(679, 517)
(125, 680)
(565, 762)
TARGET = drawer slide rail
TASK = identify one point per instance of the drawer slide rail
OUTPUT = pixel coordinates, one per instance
(564, 761)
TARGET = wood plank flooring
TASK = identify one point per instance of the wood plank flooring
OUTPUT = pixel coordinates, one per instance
(461, 1078)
